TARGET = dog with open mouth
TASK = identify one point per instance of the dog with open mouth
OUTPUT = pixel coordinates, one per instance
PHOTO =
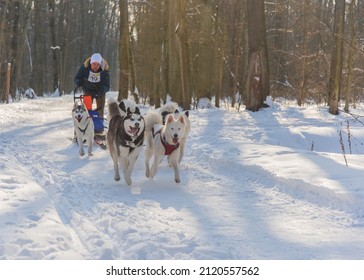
(125, 136)
(173, 108)
(163, 141)
(83, 126)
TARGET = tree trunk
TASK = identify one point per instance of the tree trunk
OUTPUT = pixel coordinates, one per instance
(336, 58)
(219, 55)
(351, 56)
(165, 52)
(302, 87)
(3, 19)
(183, 55)
(123, 51)
(258, 73)
(15, 46)
(174, 75)
(55, 51)
(64, 46)
(37, 81)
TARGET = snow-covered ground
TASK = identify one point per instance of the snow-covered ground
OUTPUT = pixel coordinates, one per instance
(267, 185)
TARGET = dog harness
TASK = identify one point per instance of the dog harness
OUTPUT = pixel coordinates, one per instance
(169, 149)
(84, 130)
(132, 144)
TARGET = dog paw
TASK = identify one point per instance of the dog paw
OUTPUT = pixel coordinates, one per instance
(82, 153)
(117, 179)
(177, 180)
(128, 181)
(90, 154)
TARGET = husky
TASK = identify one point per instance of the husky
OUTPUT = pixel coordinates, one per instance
(125, 137)
(168, 108)
(173, 108)
(83, 126)
(163, 141)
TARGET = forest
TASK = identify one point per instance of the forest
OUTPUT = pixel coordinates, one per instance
(229, 51)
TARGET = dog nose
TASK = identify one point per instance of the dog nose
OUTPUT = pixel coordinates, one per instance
(175, 135)
(137, 124)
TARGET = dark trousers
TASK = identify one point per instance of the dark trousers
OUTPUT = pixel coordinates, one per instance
(100, 105)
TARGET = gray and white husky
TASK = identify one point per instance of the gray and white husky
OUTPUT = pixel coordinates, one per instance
(173, 108)
(163, 141)
(125, 137)
(84, 127)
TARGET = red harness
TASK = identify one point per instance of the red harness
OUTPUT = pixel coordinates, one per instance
(169, 149)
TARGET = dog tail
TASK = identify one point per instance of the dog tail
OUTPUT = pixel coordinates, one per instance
(113, 108)
(169, 107)
(151, 119)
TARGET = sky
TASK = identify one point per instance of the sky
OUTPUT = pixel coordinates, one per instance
(284, 183)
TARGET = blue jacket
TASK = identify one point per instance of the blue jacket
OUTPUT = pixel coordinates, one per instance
(93, 83)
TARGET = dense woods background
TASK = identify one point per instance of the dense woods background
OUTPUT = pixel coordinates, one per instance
(306, 50)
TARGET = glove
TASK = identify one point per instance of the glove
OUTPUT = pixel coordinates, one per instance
(79, 83)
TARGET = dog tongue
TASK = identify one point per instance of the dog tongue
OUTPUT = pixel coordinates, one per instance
(134, 130)
(175, 140)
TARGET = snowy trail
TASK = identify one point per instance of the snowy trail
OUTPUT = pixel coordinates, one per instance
(226, 207)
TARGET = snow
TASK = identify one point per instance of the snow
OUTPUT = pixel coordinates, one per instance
(272, 184)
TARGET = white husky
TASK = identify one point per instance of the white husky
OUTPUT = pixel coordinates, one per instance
(84, 127)
(163, 141)
(173, 108)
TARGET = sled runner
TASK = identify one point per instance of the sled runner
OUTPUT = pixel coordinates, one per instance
(100, 139)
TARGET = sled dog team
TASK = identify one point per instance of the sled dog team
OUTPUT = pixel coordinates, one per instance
(165, 132)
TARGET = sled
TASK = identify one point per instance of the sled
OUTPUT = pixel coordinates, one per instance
(100, 136)
(96, 118)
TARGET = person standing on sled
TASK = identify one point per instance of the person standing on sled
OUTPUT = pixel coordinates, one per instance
(93, 76)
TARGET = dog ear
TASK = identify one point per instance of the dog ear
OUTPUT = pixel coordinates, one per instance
(128, 112)
(137, 111)
(170, 119)
(181, 119)
(187, 114)
(164, 114)
(122, 106)
(176, 112)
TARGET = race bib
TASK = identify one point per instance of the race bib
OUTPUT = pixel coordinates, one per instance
(94, 77)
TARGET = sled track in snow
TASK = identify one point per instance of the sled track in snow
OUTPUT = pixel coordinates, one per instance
(222, 159)
(72, 198)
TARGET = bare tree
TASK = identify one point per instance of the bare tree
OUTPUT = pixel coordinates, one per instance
(258, 72)
(181, 32)
(199, 48)
(302, 85)
(123, 51)
(336, 58)
(54, 43)
(351, 56)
